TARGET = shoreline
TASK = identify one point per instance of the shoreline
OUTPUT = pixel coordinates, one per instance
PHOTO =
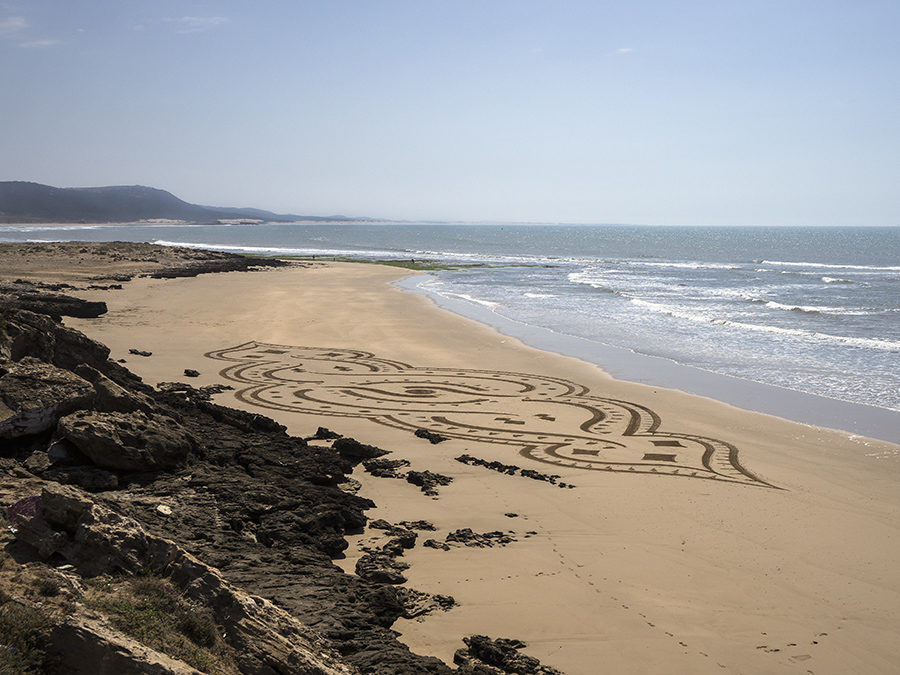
(632, 366)
(648, 573)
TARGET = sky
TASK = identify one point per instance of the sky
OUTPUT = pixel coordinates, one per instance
(688, 112)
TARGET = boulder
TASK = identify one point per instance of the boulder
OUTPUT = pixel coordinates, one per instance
(110, 396)
(34, 395)
(381, 568)
(354, 451)
(128, 441)
(502, 654)
(28, 334)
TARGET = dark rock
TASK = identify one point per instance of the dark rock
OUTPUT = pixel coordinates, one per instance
(467, 537)
(428, 481)
(112, 397)
(29, 334)
(502, 653)
(128, 442)
(139, 352)
(381, 568)
(512, 470)
(90, 478)
(231, 263)
(34, 395)
(54, 304)
(418, 603)
(417, 525)
(385, 468)
(434, 543)
(430, 435)
(353, 450)
(325, 434)
(190, 372)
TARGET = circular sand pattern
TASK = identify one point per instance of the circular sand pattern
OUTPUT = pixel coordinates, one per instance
(549, 419)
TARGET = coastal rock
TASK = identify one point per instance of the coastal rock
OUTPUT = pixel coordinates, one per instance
(428, 481)
(385, 468)
(381, 568)
(431, 436)
(34, 395)
(512, 470)
(467, 537)
(83, 645)
(418, 603)
(190, 372)
(417, 525)
(325, 434)
(127, 441)
(500, 655)
(28, 334)
(89, 478)
(353, 450)
(29, 297)
(110, 396)
(228, 263)
(98, 540)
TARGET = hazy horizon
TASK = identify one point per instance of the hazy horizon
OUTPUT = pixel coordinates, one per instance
(642, 113)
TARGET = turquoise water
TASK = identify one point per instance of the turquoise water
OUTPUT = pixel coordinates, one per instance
(811, 310)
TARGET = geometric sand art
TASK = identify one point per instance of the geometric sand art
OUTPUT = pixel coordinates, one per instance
(546, 419)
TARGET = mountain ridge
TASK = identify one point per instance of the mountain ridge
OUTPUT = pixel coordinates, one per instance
(29, 202)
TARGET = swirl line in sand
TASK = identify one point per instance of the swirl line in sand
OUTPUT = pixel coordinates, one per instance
(549, 420)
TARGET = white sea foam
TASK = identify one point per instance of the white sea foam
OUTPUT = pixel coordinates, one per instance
(680, 312)
(871, 268)
(539, 295)
(472, 299)
(682, 265)
(278, 250)
(836, 280)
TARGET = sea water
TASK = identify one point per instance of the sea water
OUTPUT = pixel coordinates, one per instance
(815, 311)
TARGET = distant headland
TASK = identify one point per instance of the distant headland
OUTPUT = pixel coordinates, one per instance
(25, 202)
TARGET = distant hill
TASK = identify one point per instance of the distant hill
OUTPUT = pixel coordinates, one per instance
(23, 202)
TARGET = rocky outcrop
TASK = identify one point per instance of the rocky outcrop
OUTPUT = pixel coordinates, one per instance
(486, 656)
(98, 540)
(128, 441)
(28, 296)
(228, 263)
(25, 333)
(111, 397)
(34, 394)
(83, 645)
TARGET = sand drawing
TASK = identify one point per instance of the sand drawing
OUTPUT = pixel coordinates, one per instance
(547, 419)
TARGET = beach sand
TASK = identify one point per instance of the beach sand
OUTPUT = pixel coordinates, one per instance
(698, 538)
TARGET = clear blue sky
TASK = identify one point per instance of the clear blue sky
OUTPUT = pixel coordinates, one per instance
(705, 112)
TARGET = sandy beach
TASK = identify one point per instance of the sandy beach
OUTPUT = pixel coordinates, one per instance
(697, 537)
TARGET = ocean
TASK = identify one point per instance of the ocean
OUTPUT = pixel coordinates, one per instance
(799, 322)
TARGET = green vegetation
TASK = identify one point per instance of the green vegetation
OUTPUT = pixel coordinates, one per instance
(24, 637)
(150, 609)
